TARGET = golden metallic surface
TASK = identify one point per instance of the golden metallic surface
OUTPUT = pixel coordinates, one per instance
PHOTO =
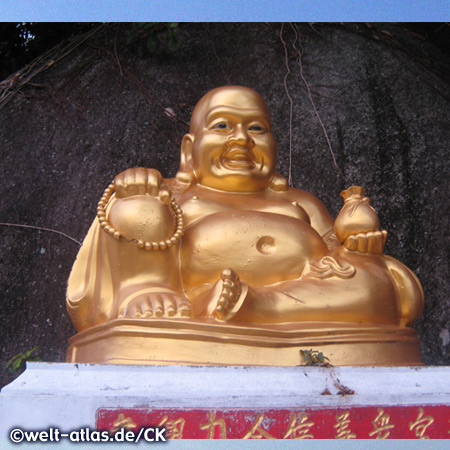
(162, 245)
(242, 268)
(180, 341)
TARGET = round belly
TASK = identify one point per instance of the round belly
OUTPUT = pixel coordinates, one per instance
(263, 248)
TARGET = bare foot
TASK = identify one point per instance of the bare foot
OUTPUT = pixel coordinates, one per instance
(156, 304)
(231, 292)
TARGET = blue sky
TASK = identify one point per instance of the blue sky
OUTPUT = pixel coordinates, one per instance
(225, 10)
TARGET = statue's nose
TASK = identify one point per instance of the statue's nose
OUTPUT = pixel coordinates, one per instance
(240, 136)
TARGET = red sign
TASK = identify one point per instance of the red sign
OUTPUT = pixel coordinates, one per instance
(366, 422)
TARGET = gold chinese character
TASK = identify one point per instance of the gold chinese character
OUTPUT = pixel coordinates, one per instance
(256, 432)
(174, 427)
(213, 422)
(381, 425)
(342, 427)
(300, 431)
(421, 424)
(123, 422)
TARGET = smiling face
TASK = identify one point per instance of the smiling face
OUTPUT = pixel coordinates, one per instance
(232, 146)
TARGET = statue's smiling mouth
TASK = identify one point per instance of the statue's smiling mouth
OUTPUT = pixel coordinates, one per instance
(238, 158)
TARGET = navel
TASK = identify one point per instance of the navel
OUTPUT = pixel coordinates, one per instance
(266, 245)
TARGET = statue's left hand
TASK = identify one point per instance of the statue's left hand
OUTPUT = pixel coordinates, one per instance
(372, 242)
(155, 305)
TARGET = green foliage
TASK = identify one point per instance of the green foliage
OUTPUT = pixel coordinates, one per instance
(314, 358)
(147, 37)
(17, 362)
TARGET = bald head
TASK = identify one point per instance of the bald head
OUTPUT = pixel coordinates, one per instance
(238, 97)
(230, 145)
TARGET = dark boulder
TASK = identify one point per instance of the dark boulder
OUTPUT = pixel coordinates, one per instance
(381, 91)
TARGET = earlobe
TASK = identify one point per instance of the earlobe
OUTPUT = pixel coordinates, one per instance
(279, 183)
(186, 173)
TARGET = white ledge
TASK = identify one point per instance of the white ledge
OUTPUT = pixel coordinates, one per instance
(68, 395)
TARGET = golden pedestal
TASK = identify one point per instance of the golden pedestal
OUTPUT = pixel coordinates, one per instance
(193, 342)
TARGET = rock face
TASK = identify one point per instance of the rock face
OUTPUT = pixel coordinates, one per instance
(382, 93)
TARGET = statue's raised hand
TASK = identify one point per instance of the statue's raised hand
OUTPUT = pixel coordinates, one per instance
(141, 181)
(372, 242)
(357, 225)
(143, 211)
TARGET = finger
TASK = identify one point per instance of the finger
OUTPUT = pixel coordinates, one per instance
(385, 235)
(379, 243)
(129, 182)
(140, 181)
(153, 182)
(362, 243)
(351, 242)
(374, 240)
(119, 186)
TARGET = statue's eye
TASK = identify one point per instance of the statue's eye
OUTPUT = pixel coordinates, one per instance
(256, 127)
(221, 126)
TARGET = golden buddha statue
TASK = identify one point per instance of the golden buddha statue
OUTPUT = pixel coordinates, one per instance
(227, 264)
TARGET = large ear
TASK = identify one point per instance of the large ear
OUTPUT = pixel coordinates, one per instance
(186, 173)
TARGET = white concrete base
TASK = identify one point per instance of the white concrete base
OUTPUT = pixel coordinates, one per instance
(67, 396)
